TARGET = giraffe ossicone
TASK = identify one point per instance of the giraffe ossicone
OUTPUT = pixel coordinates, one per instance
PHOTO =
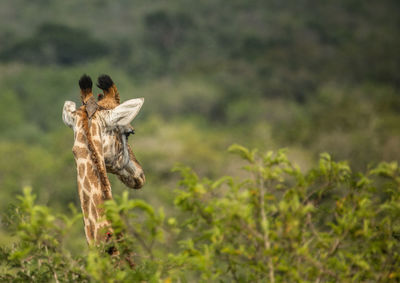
(100, 146)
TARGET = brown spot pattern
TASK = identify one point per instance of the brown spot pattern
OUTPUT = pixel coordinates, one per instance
(97, 199)
(80, 152)
(85, 204)
(93, 211)
(81, 170)
(89, 232)
(81, 138)
(92, 228)
(86, 184)
(91, 174)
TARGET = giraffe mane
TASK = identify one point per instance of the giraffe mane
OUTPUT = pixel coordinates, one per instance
(95, 156)
(85, 84)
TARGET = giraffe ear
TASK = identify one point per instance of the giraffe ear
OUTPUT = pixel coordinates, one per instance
(124, 113)
(69, 114)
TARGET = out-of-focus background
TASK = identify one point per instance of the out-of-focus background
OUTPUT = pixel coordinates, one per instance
(311, 76)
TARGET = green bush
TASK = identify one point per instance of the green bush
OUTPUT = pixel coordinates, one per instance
(274, 223)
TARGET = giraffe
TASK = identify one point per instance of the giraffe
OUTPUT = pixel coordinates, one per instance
(100, 144)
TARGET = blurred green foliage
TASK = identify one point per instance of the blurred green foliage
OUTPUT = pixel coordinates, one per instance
(55, 44)
(276, 224)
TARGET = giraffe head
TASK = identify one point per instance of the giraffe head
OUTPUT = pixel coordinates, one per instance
(111, 128)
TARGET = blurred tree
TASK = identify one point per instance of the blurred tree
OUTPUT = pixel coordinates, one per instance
(56, 44)
(164, 36)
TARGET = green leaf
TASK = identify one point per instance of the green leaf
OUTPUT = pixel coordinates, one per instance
(242, 152)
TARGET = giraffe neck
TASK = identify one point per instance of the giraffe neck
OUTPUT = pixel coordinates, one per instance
(92, 188)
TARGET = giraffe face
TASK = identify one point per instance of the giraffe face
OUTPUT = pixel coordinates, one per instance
(112, 128)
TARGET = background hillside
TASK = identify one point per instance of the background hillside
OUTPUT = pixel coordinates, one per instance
(311, 76)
